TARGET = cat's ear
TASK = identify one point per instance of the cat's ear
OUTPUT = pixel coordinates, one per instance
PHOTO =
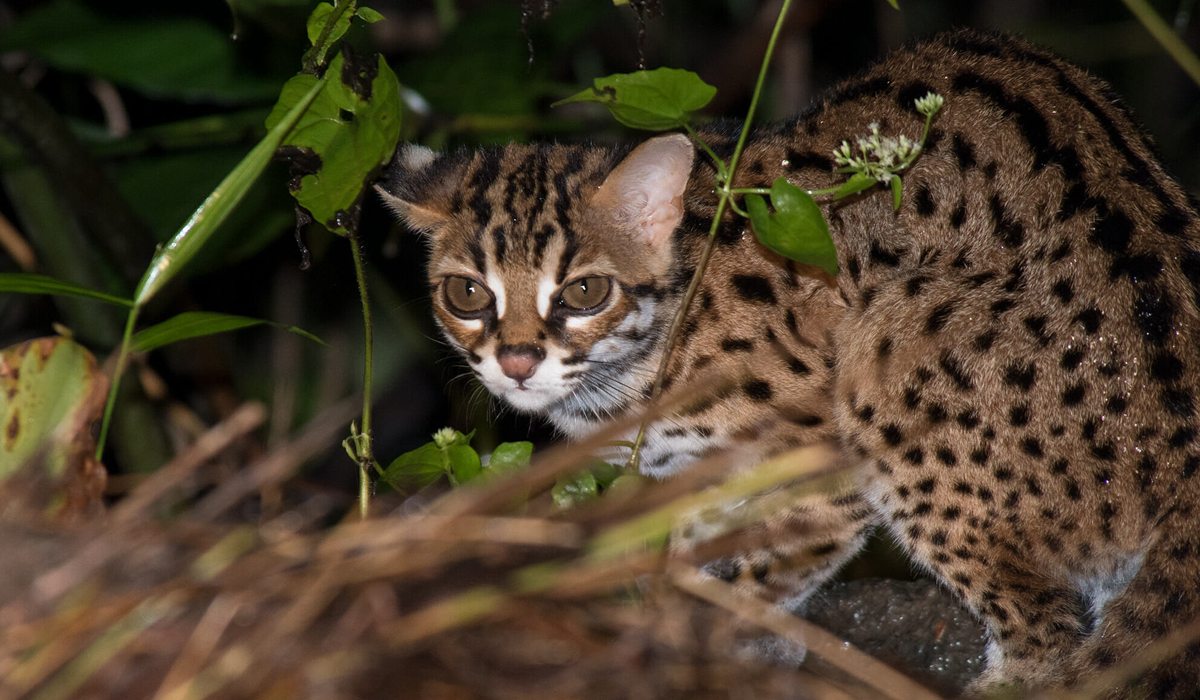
(644, 193)
(417, 186)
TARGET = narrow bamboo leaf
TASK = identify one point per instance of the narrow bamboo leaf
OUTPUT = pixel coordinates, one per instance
(417, 469)
(654, 100)
(895, 4)
(175, 254)
(464, 463)
(25, 283)
(509, 456)
(897, 190)
(797, 229)
(857, 183)
(193, 324)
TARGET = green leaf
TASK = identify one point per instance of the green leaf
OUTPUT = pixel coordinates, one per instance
(858, 182)
(464, 463)
(895, 4)
(51, 391)
(510, 456)
(571, 491)
(191, 238)
(655, 100)
(350, 131)
(417, 469)
(318, 22)
(797, 229)
(897, 190)
(368, 15)
(26, 283)
(193, 324)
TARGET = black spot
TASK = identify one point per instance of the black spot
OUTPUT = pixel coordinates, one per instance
(957, 217)
(1018, 416)
(1182, 437)
(1058, 466)
(1190, 467)
(926, 207)
(1001, 306)
(1071, 488)
(1032, 447)
(866, 413)
(868, 295)
(1108, 511)
(754, 288)
(882, 256)
(936, 413)
(946, 456)
(853, 268)
(1140, 268)
(757, 390)
(1090, 319)
(907, 95)
(1072, 358)
(984, 341)
(1010, 232)
(1173, 222)
(938, 317)
(968, 419)
(1003, 474)
(912, 398)
(923, 508)
(1166, 367)
(963, 488)
(1074, 394)
(964, 153)
(913, 287)
(803, 160)
(982, 278)
(806, 420)
(737, 345)
(1062, 289)
(1178, 402)
(891, 434)
(1016, 278)
(938, 538)
(953, 369)
(1105, 451)
(1116, 404)
(1062, 251)
(1020, 375)
(760, 572)
(1112, 232)
(980, 455)
(914, 456)
(797, 366)
(1155, 312)
(1037, 326)
(884, 348)
(926, 486)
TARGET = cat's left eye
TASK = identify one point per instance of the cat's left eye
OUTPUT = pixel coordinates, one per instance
(585, 293)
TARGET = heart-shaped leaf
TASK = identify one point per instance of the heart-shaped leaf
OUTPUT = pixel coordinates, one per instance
(655, 100)
(796, 229)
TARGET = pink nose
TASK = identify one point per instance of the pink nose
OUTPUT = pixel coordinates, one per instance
(520, 362)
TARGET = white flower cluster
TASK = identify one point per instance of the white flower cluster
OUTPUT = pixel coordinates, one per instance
(877, 155)
(880, 157)
(445, 437)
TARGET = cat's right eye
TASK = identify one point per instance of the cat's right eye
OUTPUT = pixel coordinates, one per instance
(465, 296)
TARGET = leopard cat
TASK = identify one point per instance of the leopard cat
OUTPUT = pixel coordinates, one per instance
(1010, 361)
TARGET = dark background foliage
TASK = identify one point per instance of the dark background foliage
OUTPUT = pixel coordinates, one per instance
(117, 119)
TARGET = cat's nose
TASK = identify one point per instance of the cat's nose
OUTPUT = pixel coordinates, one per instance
(520, 362)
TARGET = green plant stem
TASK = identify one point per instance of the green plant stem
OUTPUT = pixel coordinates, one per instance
(725, 194)
(1162, 33)
(118, 371)
(363, 450)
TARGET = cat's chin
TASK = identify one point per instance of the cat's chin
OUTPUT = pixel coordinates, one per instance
(530, 400)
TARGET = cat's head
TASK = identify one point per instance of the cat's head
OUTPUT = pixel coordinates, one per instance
(548, 263)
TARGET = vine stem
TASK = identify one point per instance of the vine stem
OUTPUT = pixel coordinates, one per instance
(118, 371)
(363, 451)
(725, 195)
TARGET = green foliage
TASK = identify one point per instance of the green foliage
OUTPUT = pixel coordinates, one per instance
(41, 284)
(350, 130)
(194, 324)
(587, 484)
(655, 100)
(450, 454)
(796, 229)
(180, 58)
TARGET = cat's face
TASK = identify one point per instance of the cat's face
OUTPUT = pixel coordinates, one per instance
(546, 263)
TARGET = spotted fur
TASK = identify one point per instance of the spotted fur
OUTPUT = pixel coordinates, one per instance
(1010, 360)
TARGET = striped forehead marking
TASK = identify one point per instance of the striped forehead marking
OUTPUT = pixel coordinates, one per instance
(496, 284)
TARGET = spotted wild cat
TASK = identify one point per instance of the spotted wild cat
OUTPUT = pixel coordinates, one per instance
(1011, 361)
